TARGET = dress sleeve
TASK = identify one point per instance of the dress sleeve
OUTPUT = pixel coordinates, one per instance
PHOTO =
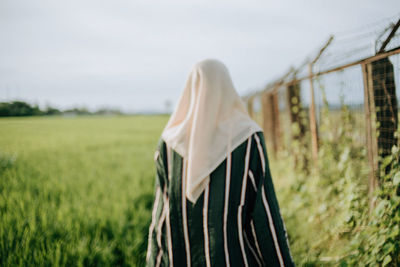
(154, 246)
(266, 223)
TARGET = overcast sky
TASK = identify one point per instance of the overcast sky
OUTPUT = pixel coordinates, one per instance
(136, 55)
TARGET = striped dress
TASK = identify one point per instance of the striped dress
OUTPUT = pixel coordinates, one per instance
(235, 222)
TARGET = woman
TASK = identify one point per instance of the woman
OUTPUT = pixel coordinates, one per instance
(215, 203)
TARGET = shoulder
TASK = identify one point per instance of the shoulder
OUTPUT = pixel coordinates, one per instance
(259, 141)
(259, 135)
(252, 145)
(258, 148)
(256, 139)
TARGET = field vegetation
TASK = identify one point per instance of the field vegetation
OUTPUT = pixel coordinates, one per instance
(78, 192)
(326, 203)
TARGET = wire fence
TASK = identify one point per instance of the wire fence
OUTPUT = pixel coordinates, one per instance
(357, 71)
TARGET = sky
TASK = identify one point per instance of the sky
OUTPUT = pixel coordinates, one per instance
(136, 55)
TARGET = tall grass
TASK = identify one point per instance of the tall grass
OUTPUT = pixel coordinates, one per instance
(326, 207)
(76, 191)
(318, 205)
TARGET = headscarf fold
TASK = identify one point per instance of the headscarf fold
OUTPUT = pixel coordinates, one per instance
(209, 121)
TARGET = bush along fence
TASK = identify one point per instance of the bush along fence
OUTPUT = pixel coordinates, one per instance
(350, 80)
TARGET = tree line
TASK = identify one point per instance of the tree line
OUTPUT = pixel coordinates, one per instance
(20, 108)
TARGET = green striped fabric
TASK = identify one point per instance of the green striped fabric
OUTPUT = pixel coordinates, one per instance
(235, 222)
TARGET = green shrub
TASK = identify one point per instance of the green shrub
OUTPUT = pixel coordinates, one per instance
(326, 208)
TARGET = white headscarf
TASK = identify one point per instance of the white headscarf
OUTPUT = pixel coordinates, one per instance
(209, 121)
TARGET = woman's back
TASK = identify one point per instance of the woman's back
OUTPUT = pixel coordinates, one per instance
(235, 221)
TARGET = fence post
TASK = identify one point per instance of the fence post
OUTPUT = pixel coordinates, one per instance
(313, 120)
(250, 107)
(265, 117)
(270, 121)
(372, 154)
(276, 126)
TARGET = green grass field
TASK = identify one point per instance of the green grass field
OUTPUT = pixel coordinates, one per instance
(79, 191)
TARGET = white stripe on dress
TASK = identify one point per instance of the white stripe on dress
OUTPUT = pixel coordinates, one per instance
(205, 227)
(253, 231)
(169, 238)
(266, 205)
(261, 152)
(253, 182)
(169, 162)
(244, 183)
(184, 215)
(158, 262)
(271, 225)
(153, 222)
(159, 229)
(252, 249)
(168, 225)
(227, 184)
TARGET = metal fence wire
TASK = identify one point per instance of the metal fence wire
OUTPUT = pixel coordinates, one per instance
(355, 72)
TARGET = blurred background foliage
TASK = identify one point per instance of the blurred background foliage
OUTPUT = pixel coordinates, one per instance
(21, 108)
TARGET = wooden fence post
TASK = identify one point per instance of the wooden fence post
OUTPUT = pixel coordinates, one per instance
(265, 117)
(372, 154)
(313, 120)
(250, 107)
(276, 125)
(268, 120)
